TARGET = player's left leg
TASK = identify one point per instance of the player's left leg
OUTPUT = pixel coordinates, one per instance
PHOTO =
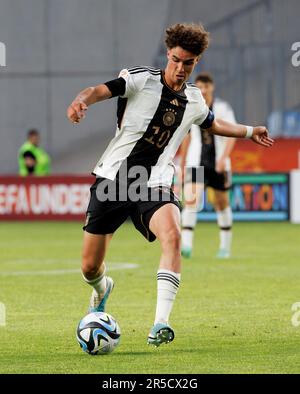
(224, 217)
(165, 225)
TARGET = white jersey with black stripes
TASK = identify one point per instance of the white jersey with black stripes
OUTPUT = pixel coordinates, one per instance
(221, 110)
(153, 119)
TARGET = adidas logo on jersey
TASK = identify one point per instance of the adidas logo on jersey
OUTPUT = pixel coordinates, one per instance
(175, 102)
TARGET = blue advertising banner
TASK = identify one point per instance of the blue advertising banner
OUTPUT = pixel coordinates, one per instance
(254, 197)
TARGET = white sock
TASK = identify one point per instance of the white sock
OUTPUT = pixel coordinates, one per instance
(188, 222)
(167, 286)
(99, 283)
(225, 224)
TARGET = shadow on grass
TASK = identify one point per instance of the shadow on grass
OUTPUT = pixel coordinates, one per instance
(152, 352)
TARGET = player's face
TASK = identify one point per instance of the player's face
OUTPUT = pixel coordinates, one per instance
(35, 139)
(181, 64)
(207, 90)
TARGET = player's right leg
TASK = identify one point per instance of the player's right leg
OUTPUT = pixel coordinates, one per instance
(193, 197)
(93, 269)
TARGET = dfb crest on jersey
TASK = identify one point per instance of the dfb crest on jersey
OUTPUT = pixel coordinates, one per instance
(169, 118)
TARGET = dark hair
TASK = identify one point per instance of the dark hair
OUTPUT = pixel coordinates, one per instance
(29, 155)
(204, 77)
(189, 36)
(32, 132)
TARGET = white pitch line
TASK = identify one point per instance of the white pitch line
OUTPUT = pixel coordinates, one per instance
(40, 261)
(111, 267)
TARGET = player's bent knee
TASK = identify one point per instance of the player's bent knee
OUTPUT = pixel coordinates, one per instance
(221, 205)
(171, 239)
(89, 267)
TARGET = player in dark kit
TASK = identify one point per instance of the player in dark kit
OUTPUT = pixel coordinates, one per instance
(156, 109)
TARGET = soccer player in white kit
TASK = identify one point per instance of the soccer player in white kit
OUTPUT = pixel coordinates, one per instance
(213, 153)
(156, 109)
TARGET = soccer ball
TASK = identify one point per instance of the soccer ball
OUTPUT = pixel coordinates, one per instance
(98, 333)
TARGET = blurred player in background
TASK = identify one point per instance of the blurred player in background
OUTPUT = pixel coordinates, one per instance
(156, 109)
(213, 153)
(33, 160)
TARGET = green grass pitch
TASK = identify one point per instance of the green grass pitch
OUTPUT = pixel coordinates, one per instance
(230, 316)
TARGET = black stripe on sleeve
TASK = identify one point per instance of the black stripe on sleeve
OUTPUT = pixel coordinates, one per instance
(117, 86)
(143, 68)
(208, 121)
(192, 84)
(145, 71)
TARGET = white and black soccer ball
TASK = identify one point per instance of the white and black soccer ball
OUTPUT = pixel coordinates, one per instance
(98, 333)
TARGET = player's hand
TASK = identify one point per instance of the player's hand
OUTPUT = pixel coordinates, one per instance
(76, 111)
(221, 165)
(261, 136)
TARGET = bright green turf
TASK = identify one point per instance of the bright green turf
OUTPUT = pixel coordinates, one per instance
(231, 316)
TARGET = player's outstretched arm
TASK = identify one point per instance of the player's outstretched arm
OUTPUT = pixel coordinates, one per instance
(258, 134)
(87, 97)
